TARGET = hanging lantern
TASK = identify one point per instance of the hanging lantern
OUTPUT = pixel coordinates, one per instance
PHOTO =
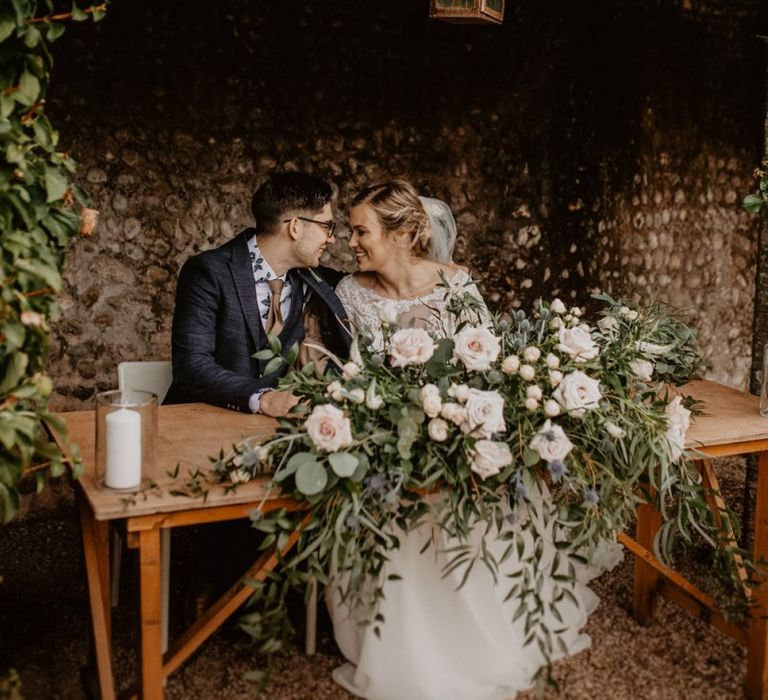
(468, 11)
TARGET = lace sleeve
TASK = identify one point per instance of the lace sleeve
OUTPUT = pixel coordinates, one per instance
(362, 309)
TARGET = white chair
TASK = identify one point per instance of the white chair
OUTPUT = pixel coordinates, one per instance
(155, 376)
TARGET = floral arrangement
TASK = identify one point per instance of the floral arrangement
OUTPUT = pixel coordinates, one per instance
(529, 427)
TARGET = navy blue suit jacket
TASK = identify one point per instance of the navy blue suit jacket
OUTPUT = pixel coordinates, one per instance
(217, 327)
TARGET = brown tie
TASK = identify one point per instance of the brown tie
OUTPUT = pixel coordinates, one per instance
(275, 317)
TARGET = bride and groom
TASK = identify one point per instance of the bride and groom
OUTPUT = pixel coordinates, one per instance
(439, 640)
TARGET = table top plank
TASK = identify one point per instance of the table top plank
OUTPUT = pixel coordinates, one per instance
(188, 435)
(730, 416)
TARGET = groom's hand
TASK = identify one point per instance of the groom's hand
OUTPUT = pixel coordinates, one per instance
(277, 403)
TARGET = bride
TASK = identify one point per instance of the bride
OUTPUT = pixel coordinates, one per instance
(440, 639)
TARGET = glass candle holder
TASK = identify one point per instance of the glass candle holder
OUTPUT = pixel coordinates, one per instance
(764, 384)
(126, 433)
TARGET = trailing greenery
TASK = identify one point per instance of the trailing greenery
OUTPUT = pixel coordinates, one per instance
(755, 202)
(542, 432)
(40, 211)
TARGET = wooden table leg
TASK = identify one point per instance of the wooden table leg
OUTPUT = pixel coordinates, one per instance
(646, 577)
(96, 554)
(757, 648)
(151, 615)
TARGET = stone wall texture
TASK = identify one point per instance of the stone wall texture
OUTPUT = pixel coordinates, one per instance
(581, 146)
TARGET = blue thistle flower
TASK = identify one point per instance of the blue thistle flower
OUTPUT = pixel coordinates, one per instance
(557, 470)
(591, 497)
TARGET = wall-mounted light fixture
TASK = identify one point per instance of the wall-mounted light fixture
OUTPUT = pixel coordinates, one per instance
(468, 11)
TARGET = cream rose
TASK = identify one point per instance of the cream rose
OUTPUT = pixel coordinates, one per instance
(534, 392)
(485, 413)
(350, 370)
(555, 377)
(476, 347)
(578, 393)
(430, 400)
(551, 442)
(329, 428)
(489, 458)
(460, 392)
(552, 361)
(438, 430)
(557, 306)
(531, 354)
(642, 369)
(511, 364)
(551, 408)
(531, 404)
(411, 346)
(578, 343)
(527, 372)
(356, 395)
(455, 413)
(387, 312)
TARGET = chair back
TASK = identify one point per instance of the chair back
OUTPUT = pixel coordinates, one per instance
(154, 376)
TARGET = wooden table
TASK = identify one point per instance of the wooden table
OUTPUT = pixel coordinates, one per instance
(730, 426)
(188, 435)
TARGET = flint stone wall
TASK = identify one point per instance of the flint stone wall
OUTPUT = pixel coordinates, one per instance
(579, 148)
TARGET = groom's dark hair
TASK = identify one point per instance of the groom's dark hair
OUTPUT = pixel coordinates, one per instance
(287, 194)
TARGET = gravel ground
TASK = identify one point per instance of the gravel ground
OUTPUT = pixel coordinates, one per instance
(44, 634)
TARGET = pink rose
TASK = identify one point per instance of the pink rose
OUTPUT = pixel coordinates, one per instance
(328, 427)
(411, 346)
(476, 347)
(489, 458)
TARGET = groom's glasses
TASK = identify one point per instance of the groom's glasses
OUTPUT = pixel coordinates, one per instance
(329, 226)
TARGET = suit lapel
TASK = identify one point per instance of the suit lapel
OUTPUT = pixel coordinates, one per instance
(242, 274)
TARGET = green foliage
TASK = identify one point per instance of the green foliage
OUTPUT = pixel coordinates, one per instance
(757, 201)
(38, 216)
(529, 429)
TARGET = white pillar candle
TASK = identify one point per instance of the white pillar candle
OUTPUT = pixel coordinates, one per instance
(123, 435)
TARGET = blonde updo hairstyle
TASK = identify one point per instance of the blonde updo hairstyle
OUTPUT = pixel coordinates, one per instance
(400, 212)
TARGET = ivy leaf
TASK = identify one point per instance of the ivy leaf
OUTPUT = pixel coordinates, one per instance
(14, 371)
(56, 184)
(49, 274)
(29, 89)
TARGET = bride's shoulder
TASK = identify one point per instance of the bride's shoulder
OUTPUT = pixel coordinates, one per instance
(355, 282)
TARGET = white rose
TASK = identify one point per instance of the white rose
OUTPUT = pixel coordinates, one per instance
(527, 372)
(476, 347)
(534, 392)
(337, 396)
(555, 377)
(531, 404)
(411, 346)
(551, 442)
(485, 412)
(551, 408)
(642, 369)
(489, 458)
(454, 413)
(333, 387)
(329, 428)
(556, 323)
(578, 343)
(460, 392)
(678, 421)
(438, 430)
(387, 312)
(577, 393)
(430, 400)
(553, 361)
(576, 311)
(511, 364)
(557, 306)
(607, 324)
(628, 313)
(239, 476)
(356, 396)
(614, 430)
(350, 370)
(531, 354)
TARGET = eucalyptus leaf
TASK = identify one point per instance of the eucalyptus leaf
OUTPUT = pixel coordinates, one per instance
(343, 464)
(311, 478)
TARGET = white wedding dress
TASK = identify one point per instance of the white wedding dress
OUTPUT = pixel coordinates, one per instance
(439, 641)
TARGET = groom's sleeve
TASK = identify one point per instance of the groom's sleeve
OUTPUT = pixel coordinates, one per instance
(196, 372)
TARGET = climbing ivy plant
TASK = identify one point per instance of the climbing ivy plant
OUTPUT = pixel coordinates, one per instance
(40, 210)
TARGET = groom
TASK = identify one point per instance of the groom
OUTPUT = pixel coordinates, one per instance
(260, 282)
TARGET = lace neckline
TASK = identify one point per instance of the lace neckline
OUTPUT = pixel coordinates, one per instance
(458, 278)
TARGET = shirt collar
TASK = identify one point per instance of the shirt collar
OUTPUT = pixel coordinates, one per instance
(262, 271)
